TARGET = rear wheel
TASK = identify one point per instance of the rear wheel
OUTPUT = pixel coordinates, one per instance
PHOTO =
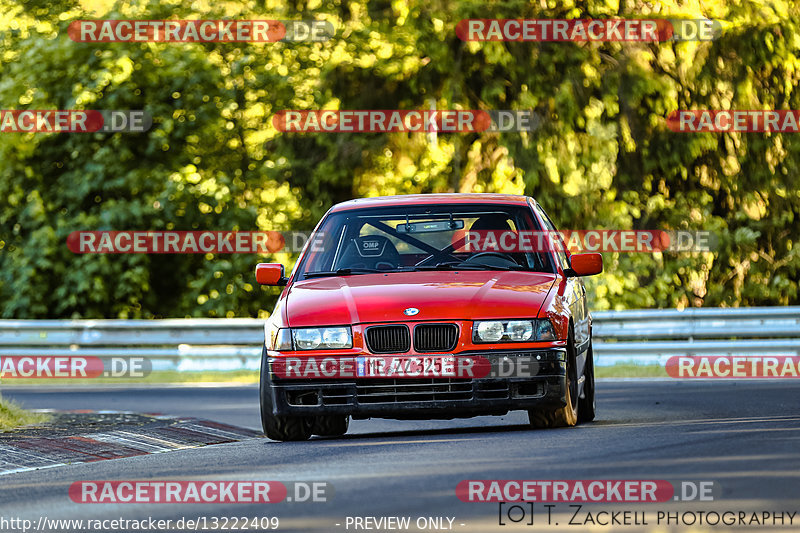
(279, 427)
(563, 416)
(331, 425)
(586, 406)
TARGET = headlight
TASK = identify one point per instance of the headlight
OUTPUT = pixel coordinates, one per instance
(307, 338)
(513, 331)
(519, 330)
(489, 331)
(337, 338)
(322, 338)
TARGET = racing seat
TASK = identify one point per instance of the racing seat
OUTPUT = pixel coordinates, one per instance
(491, 222)
(370, 251)
(496, 223)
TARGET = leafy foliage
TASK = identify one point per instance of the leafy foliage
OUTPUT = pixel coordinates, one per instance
(602, 158)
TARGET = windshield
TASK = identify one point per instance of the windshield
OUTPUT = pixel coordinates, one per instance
(417, 238)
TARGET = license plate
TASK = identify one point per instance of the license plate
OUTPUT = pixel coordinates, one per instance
(405, 366)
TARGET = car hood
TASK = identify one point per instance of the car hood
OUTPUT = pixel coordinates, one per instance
(447, 295)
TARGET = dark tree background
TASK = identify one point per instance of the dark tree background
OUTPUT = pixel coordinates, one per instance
(603, 157)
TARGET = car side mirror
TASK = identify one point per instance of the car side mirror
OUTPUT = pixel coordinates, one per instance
(270, 274)
(585, 265)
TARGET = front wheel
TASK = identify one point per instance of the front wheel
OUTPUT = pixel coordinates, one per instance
(586, 406)
(567, 415)
(331, 425)
(279, 427)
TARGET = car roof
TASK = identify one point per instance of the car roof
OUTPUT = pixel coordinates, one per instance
(432, 199)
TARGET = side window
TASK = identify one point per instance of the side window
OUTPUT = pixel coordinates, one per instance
(560, 254)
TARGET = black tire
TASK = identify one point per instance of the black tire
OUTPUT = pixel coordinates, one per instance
(586, 405)
(566, 416)
(277, 427)
(331, 425)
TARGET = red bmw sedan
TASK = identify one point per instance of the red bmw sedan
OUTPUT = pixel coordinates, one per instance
(428, 306)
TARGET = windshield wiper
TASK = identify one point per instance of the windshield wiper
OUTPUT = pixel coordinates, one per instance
(452, 265)
(341, 272)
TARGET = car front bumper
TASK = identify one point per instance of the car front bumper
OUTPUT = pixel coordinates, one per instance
(424, 398)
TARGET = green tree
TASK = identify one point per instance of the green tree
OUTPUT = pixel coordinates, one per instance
(602, 158)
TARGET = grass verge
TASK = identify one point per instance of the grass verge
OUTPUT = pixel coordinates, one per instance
(629, 370)
(13, 416)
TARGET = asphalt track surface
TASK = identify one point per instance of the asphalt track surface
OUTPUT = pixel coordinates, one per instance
(743, 435)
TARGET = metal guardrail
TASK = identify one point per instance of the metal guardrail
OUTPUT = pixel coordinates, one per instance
(642, 336)
(652, 336)
(173, 344)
